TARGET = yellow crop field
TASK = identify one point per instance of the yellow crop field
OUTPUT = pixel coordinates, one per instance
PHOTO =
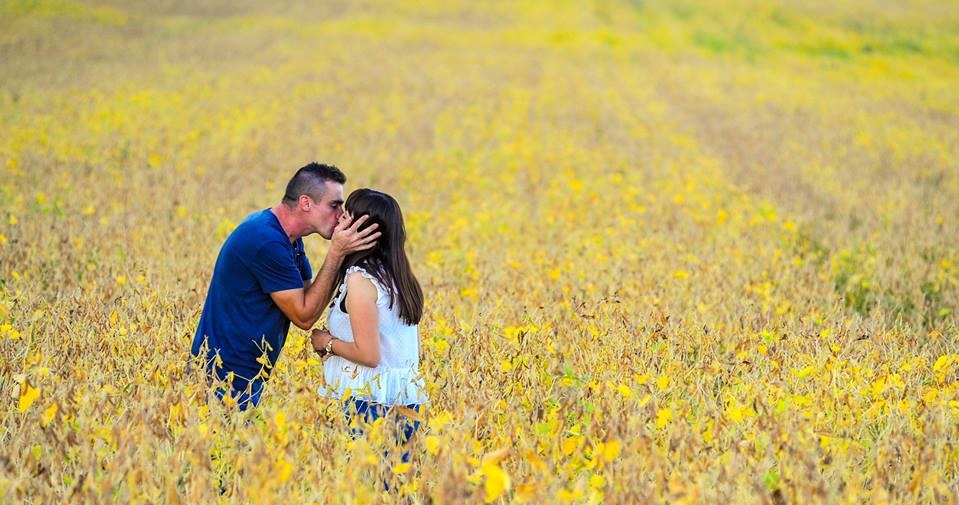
(672, 251)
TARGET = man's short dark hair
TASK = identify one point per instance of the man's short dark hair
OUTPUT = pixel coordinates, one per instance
(311, 181)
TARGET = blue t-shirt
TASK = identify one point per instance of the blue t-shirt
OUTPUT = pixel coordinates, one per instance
(239, 318)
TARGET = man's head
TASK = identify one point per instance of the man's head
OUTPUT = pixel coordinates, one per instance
(315, 196)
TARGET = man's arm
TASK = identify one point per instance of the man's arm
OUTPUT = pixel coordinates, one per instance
(303, 306)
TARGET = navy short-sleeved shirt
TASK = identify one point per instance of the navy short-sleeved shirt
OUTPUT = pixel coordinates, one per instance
(239, 316)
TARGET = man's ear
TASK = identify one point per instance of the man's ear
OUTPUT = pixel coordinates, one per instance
(305, 202)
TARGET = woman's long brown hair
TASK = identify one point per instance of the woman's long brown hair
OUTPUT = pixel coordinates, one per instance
(387, 260)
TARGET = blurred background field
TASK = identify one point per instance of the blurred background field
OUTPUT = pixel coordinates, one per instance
(673, 252)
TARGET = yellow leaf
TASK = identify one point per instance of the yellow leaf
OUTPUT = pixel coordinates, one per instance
(735, 414)
(440, 420)
(624, 390)
(707, 434)
(28, 395)
(496, 483)
(662, 382)
(176, 414)
(738, 413)
(401, 469)
(441, 345)
(282, 470)
(525, 493)
(567, 496)
(611, 449)
(533, 459)
(941, 362)
(663, 417)
(643, 379)
(279, 419)
(433, 444)
(597, 482)
(49, 414)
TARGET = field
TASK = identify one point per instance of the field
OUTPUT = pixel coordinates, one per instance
(673, 252)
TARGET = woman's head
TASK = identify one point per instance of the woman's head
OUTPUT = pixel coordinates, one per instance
(383, 210)
(387, 260)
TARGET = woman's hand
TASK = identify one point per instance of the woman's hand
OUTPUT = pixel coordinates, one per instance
(319, 338)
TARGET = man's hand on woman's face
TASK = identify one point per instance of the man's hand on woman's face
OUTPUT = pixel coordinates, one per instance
(348, 239)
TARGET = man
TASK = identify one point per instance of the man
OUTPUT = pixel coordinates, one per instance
(261, 281)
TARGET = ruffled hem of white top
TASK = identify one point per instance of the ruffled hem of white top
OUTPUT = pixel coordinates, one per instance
(382, 385)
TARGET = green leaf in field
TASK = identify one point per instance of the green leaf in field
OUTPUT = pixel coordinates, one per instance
(771, 479)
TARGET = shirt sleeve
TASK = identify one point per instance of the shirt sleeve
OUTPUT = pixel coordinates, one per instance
(275, 269)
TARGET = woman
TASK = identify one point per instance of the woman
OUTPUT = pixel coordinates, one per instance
(372, 345)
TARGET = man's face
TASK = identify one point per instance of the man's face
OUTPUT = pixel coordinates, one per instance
(325, 213)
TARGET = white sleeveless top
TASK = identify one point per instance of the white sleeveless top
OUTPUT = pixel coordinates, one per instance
(396, 380)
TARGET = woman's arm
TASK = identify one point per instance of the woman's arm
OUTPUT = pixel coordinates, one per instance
(364, 320)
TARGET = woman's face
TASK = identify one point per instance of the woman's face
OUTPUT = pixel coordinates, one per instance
(346, 217)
